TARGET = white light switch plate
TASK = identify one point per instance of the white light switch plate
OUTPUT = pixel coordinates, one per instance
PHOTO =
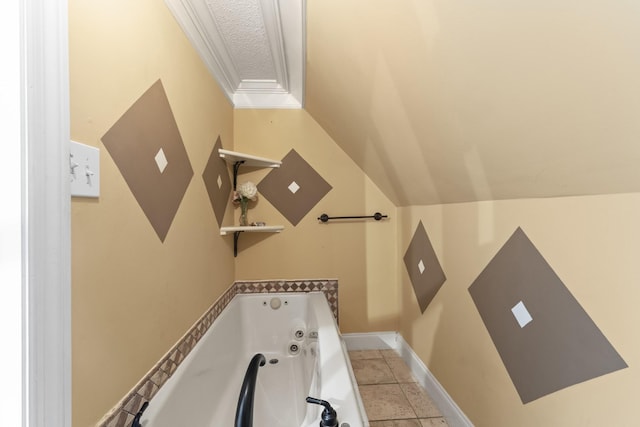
(84, 169)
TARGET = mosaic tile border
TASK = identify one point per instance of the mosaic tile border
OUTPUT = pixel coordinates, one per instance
(122, 414)
(329, 287)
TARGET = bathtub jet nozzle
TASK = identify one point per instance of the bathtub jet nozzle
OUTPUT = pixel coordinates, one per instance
(329, 417)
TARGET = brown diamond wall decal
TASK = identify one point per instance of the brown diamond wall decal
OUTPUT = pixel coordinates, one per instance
(216, 179)
(424, 269)
(294, 188)
(544, 337)
(147, 147)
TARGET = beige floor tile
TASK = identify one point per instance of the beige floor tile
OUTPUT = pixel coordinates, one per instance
(389, 353)
(400, 370)
(365, 354)
(385, 402)
(372, 371)
(396, 423)
(420, 402)
(433, 422)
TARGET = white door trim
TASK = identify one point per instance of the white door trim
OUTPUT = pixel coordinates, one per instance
(46, 214)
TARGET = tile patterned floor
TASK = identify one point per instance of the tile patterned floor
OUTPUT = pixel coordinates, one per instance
(390, 394)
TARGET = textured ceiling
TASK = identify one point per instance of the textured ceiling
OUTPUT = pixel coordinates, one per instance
(241, 24)
(457, 101)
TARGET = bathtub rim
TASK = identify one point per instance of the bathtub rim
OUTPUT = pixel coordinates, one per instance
(339, 346)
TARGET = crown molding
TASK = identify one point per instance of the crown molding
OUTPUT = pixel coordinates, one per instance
(285, 32)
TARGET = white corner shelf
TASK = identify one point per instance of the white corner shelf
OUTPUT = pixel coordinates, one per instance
(234, 157)
(236, 230)
(239, 159)
(251, 229)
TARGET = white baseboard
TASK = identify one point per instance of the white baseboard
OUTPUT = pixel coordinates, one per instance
(372, 341)
(394, 341)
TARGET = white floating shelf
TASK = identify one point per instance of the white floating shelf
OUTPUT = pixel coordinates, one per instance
(247, 159)
(237, 230)
(251, 229)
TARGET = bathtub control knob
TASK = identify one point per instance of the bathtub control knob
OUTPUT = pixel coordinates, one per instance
(329, 416)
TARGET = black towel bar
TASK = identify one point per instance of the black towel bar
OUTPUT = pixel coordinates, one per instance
(377, 216)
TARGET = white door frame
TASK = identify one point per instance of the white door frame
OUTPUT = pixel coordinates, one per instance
(46, 215)
(11, 272)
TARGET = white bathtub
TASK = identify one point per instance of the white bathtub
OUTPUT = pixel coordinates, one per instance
(203, 392)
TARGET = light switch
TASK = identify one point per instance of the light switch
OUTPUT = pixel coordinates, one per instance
(84, 169)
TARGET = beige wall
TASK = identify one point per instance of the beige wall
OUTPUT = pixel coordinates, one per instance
(457, 101)
(361, 255)
(592, 243)
(132, 295)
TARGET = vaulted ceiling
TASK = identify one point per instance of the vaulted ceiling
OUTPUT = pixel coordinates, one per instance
(443, 101)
